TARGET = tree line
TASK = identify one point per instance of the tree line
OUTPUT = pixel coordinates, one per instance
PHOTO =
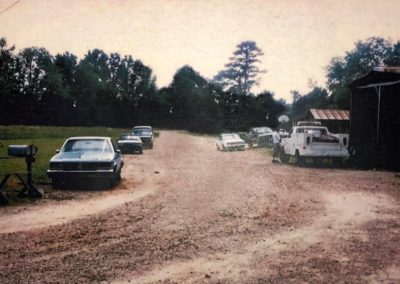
(341, 71)
(38, 88)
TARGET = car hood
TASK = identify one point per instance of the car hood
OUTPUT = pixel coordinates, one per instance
(82, 156)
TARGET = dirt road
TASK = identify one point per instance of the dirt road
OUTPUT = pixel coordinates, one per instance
(185, 212)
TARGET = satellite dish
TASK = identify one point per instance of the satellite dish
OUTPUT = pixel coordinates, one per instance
(283, 119)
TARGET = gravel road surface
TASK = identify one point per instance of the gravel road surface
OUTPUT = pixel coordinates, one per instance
(187, 213)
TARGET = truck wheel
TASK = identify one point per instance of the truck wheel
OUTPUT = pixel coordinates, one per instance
(284, 157)
(299, 159)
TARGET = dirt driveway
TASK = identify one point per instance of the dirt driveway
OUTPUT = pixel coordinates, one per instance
(187, 213)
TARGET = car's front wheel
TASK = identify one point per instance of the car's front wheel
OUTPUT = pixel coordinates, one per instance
(300, 160)
(115, 179)
(284, 157)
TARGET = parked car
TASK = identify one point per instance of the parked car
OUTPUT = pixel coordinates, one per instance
(262, 136)
(229, 142)
(146, 135)
(129, 143)
(142, 127)
(82, 158)
(155, 132)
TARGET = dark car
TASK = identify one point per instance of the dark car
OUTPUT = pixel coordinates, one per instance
(129, 143)
(262, 136)
(146, 135)
(86, 158)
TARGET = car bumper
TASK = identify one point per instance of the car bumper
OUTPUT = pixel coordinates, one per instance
(326, 154)
(128, 148)
(99, 174)
(234, 147)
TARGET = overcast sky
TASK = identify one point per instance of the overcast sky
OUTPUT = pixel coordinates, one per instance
(298, 37)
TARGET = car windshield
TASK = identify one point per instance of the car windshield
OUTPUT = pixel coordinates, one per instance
(141, 132)
(230, 136)
(262, 130)
(128, 137)
(87, 145)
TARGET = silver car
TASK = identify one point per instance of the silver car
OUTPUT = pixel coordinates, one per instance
(83, 158)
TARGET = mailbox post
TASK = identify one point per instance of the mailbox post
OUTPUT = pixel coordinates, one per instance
(29, 190)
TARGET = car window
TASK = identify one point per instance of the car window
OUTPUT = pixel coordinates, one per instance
(129, 137)
(264, 130)
(87, 145)
(140, 132)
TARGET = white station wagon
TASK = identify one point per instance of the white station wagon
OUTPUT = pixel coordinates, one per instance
(229, 142)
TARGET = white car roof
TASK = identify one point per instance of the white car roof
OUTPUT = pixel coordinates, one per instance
(89, 137)
(149, 127)
(230, 134)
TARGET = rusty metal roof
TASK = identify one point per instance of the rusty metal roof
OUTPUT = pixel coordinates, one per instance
(330, 114)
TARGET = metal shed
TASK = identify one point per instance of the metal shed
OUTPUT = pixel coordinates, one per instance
(337, 120)
(375, 118)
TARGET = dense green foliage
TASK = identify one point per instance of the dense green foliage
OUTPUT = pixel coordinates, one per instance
(37, 88)
(341, 71)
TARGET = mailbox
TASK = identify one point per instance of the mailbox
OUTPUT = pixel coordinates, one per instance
(22, 150)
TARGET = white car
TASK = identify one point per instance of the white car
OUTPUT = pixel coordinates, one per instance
(229, 142)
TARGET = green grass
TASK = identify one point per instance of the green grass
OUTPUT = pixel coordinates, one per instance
(48, 139)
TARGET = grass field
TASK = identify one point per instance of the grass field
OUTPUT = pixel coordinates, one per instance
(48, 139)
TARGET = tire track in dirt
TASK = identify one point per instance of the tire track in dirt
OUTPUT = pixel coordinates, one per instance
(217, 217)
(341, 212)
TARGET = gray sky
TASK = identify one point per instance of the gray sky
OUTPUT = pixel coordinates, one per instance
(298, 37)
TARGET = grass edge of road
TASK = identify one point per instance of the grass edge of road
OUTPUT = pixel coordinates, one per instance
(48, 139)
